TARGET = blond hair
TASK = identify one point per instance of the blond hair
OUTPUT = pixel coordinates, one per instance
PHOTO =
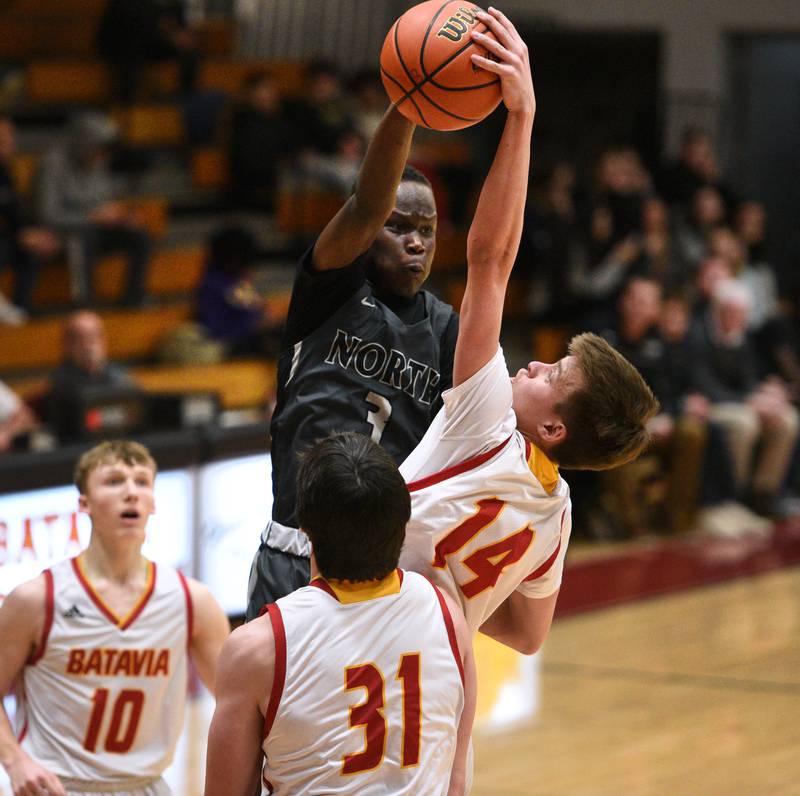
(110, 452)
(606, 414)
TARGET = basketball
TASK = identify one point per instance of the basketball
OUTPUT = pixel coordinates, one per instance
(427, 70)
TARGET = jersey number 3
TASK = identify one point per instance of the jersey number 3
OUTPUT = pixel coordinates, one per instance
(369, 713)
(486, 563)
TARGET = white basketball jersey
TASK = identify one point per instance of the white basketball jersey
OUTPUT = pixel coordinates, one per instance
(489, 512)
(103, 699)
(368, 690)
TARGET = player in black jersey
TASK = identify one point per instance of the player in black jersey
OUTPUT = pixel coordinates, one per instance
(365, 348)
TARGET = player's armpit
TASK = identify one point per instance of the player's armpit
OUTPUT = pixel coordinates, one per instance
(210, 628)
(244, 681)
(521, 623)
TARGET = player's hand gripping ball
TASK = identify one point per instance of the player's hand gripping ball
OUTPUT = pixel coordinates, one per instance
(427, 70)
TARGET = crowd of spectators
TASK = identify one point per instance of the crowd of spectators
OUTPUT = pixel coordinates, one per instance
(671, 267)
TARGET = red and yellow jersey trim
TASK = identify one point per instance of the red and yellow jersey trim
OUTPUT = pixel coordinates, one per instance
(49, 610)
(543, 468)
(279, 670)
(457, 469)
(121, 622)
(347, 592)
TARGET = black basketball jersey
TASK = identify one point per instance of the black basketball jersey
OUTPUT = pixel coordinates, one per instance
(363, 369)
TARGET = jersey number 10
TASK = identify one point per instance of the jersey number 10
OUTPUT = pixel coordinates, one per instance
(125, 716)
(369, 713)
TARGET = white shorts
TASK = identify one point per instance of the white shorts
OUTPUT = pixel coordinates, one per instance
(150, 787)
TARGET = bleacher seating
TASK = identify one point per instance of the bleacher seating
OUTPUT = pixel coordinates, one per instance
(132, 334)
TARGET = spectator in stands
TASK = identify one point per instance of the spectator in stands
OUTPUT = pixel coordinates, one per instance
(761, 423)
(692, 479)
(772, 330)
(336, 172)
(23, 247)
(694, 224)
(228, 305)
(548, 229)
(77, 196)
(321, 113)
(368, 102)
(85, 364)
(261, 143)
(659, 257)
(696, 166)
(678, 431)
(135, 33)
(604, 259)
(16, 418)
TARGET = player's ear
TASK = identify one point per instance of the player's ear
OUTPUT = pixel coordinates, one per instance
(83, 504)
(553, 431)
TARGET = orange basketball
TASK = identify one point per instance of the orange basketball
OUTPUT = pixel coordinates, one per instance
(427, 70)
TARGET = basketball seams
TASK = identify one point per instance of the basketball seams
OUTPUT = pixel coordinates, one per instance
(406, 96)
(425, 37)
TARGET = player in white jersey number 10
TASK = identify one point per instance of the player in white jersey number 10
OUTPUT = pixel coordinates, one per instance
(361, 682)
(490, 513)
(98, 646)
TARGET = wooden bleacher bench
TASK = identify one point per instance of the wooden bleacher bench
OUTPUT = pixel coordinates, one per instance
(132, 334)
(171, 273)
(209, 167)
(306, 212)
(228, 76)
(240, 385)
(23, 39)
(244, 384)
(64, 81)
(151, 125)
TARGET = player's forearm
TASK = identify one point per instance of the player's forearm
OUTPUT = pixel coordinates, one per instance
(496, 230)
(383, 166)
(521, 623)
(10, 750)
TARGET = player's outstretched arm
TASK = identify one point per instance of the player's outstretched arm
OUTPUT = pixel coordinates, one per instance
(244, 680)
(351, 231)
(460, 776)
(22, 616)
(521, 622)
(210, 628)
(495, 232)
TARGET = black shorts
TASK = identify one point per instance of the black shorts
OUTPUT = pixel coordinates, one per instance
(273, 575)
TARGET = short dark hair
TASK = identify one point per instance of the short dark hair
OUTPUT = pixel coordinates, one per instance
(410, 174)
(606, 414)
(354, 505)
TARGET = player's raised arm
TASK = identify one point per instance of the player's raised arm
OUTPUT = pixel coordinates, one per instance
(22, 617)
(496, 229)
(351, 231)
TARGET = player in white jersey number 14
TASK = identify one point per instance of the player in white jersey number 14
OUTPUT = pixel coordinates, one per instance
(490, 513)
(98, 645)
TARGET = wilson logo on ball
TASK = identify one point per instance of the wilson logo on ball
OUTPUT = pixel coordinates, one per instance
(455, 27)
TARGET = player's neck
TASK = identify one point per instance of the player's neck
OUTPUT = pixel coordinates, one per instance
(122, 564)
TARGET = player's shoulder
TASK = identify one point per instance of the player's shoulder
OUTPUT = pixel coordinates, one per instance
(250, 649)
(27, 600)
